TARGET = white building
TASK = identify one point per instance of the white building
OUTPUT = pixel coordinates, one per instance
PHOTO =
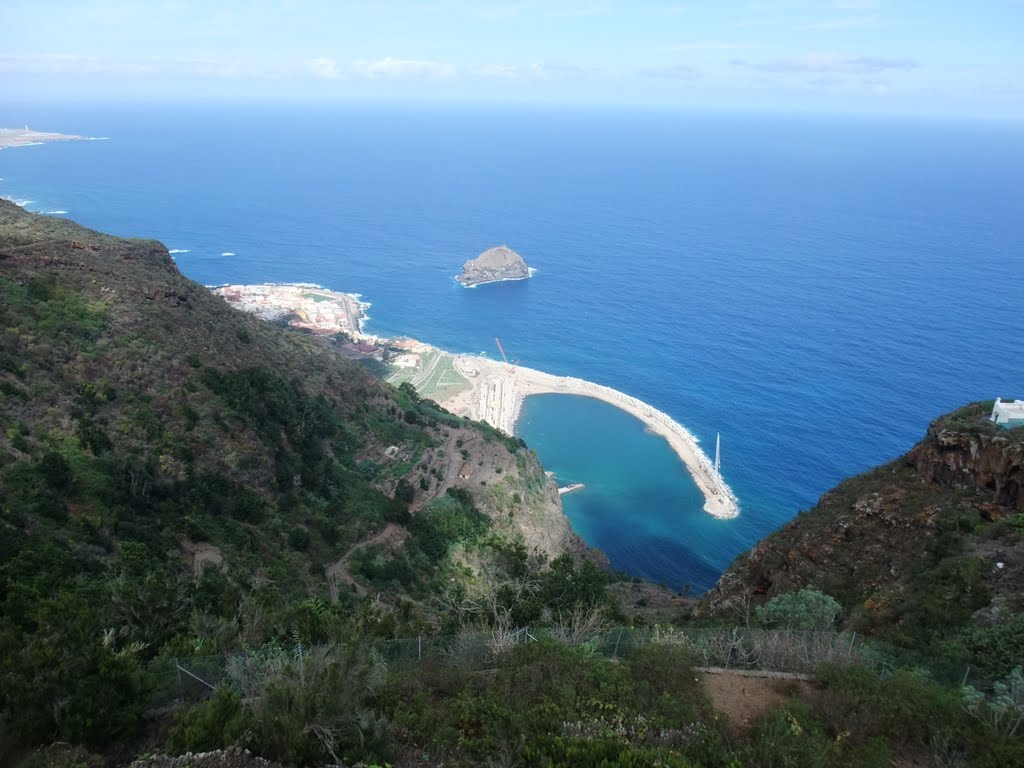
(1008, 413)
(406, 361)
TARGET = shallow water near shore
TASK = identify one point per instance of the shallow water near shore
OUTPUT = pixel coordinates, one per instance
(640, 506)
(817, 289)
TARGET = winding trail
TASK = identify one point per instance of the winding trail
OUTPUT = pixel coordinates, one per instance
(392, 536)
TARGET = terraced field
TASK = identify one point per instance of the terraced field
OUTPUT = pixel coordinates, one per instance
(435, 377)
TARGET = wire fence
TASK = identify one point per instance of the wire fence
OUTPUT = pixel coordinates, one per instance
(193, 677)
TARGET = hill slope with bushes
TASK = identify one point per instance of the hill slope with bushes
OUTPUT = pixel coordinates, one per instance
(177, 477)
(926, 552)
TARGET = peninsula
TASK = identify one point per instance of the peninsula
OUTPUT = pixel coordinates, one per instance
(472, 386)
(23, 137)
(493, 266)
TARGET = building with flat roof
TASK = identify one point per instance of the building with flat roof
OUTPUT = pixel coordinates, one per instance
(1008, 413)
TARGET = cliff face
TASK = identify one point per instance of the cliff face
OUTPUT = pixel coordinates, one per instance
(988, 460)
(493, 265)
(938, 524)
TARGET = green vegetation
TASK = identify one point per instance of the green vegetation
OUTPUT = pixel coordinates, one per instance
(435, 378)
(548, 703)
(176, 479)
(179, 482)
(804, 609)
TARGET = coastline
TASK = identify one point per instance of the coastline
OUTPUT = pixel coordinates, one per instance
(24, 137)
(473, 386)
(492, 282)
(504, 387)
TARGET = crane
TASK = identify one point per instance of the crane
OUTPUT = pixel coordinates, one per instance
(503, 355)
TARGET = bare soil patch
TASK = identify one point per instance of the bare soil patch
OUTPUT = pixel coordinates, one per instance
(744, 698)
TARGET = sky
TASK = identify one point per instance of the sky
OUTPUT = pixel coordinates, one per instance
(861, 56)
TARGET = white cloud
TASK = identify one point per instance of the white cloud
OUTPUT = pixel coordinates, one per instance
(827, 81)
(877, 85)
(404, 69)
(61, 63)
(672, 72)
(74, 64)
(497, 72)
(324, 68)
(559, 70)
(835, 63)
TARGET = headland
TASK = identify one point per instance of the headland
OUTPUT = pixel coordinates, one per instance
(467, 385)
(23, 137)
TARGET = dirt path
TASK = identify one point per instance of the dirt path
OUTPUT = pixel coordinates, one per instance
(392, 536)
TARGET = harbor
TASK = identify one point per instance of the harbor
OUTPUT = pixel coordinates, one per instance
(499, 388)
(470, 385)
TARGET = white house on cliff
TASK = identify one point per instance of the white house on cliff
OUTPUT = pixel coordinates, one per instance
(1008, 413)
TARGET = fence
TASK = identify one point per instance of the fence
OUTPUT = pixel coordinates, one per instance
(190, 678)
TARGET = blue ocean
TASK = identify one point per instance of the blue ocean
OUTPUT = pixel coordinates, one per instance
(815, 289)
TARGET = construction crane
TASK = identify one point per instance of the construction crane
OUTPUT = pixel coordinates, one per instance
(503, 355)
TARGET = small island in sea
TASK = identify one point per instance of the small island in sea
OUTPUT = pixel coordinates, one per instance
(23, 137)
(493, 266)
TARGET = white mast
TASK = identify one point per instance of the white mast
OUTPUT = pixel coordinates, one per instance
(718, 447)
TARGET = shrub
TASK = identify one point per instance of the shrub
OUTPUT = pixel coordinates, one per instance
(805, 609)
(994, 650)
(308, 706)
(790, 736)
(213, 724)
(900, 708)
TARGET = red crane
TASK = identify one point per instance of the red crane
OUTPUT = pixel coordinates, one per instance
(503, 355)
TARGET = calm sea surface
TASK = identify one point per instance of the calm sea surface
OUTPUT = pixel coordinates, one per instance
(816, 289)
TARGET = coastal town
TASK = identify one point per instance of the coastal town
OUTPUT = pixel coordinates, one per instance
(476, 387)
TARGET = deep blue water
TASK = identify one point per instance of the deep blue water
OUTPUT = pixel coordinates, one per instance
(817, 289)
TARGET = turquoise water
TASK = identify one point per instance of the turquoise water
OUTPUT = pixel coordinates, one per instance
(640, 505)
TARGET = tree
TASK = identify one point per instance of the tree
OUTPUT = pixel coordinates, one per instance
(805, 609)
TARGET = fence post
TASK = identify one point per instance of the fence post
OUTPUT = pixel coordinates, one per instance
(419, 646)
(177, 670)
(615, 653)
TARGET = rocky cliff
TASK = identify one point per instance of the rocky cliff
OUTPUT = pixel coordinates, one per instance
(494, 265)
(964, 450)
(930, 538)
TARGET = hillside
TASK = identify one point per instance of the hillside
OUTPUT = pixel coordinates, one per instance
(218, 535)
(926, 551)
(177, 477)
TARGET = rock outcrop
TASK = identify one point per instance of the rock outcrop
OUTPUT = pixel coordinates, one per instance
(492, 266)
(878, 541)
(991, 461)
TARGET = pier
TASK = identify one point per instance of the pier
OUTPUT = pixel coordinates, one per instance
(502, 387)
